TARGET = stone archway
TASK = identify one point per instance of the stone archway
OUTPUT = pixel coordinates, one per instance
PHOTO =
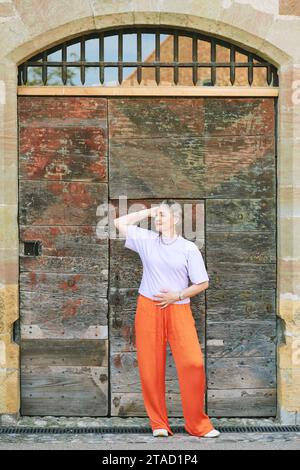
(242, 27)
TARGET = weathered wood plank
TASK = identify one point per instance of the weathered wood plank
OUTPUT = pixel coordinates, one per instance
(246, 372)
(64, 264)
(125, 373)
(60, 202)
(241, 275)
(239, 116)
(54, 110)
(64, 152)
(63, 316)
(68, 352)
(66, 241)
(62, 138)
(150, 117)
(64, 391)
(245, 247)
(242, 403)
(77, 284)
(122, 309)
(241, 339)
(229, 166)
(240, 215)
(239, 305)
(132, 404)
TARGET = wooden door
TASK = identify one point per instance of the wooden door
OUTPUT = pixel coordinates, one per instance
(221, 152)
(63, 284)
(77, 153)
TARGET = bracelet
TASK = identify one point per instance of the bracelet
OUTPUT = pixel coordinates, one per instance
(180, 295)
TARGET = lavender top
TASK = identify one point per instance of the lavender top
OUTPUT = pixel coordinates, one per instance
(165, 266)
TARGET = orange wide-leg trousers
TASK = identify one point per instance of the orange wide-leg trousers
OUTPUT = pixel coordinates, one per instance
(175, 324)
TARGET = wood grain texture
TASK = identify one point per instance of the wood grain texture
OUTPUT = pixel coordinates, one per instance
(63, 291)
(69, 352)
(225, 91)
(218, 152)
(243, 403)
(226, 373)
(64, 391)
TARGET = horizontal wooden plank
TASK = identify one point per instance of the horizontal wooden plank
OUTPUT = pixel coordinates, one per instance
(60, 202)
(66, 241)
(245, 247)
(177, 90)
(241, 339)
(167, 116)
(64, 391)
(245, 372)
(242, 403)
(64, 249)
(240, 304)
(125, 372)
(153, 117)
(56, 111)
(63, 316)
(241, 275)
(239, 116)
(207, 166)
(69, 285)
(132, 404)
(76, 265)
(240, 215)
(66, 352)
(70, 152)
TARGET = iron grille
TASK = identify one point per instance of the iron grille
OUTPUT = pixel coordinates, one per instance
(142, 429)
(129, 54)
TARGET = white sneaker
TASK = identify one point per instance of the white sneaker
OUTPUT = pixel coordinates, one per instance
(212, 433)
(160, 432)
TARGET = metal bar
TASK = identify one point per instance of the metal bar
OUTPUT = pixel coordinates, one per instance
(20, 75)
(144, 429)
(195, 58)
(275, 77)
(157, 57)
(120, 57)
(269, 75)
(175, 57)
(232, 64)
(213, 61)
(44, 68)
(101, 58)
(250, 69)
(139, 56)
(64, 61)
(82, 59)
(152, 64)
(25, 75)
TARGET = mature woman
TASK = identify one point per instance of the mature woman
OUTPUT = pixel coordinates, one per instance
(163, 314)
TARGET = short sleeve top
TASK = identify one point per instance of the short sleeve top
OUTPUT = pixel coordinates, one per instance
(165, 266)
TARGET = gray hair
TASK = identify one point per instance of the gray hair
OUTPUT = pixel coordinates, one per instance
(175, 207)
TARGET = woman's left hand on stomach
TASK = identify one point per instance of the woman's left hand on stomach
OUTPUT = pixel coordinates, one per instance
(168, 297)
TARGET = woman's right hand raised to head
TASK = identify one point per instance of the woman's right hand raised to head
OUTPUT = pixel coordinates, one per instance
(153, 211)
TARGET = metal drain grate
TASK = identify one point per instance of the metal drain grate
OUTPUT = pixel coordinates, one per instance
(140, 430)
